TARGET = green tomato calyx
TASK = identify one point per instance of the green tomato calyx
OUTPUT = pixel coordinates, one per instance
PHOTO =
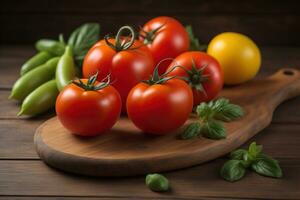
(155, 78)
(121, 42)
(196, 77)
(90, 85)
(148, 37)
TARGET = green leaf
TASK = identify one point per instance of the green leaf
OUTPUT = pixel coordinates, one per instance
(266, 166)
(254, 149)
(194, 42)
(226, 111)
(204, 111)
(233, 170)
(157, 182)
(213, 129)
(82, 39)
(191, 131)
(238, 154)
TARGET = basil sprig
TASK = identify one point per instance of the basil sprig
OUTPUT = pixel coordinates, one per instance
(253, 158)
(194, 42)
(211, 117)
(82, 39)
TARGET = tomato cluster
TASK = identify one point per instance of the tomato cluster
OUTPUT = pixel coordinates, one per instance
(153, 78)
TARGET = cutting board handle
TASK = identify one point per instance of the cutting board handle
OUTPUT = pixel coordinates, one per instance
(283, 85)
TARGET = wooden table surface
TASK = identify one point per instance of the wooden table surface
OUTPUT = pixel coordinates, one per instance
(24, 176)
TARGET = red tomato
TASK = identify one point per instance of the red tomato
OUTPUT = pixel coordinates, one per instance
(126, 66)
(88, 112)
(203, 74)
(160, 108)
(166, 38)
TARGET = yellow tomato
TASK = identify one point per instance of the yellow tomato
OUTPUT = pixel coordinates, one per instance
(238, 56)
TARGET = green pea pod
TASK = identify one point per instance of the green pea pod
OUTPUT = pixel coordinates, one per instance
(40, 100)
(65, 71)
(33, 79)
(51, 46)
(35, 61)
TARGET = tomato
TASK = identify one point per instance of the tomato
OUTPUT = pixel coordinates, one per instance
(88, 109)
(160, 106)
(238, 56)
(166, 38)
(127, 66)
(201, 71)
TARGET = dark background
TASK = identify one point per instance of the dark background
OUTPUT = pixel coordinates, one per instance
(268, 22)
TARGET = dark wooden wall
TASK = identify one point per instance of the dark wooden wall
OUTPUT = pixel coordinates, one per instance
(268, 22)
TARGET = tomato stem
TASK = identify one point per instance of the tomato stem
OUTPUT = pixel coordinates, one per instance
(120, 43)
(90, 85)
(148, 37)
(195, 77)
(155, 78)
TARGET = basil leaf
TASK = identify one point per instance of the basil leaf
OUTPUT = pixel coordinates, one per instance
(226, 111)
(157, 182)
(191, 131)
(266, 166)
(238, 154)
(203, 110)
(83, 38)
(213, 129)
(254, 149)
(233, 170)
(194, 42)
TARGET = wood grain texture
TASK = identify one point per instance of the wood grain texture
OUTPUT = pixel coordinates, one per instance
(33, 178)
(126, 151)
(17, 140)
(105, 198)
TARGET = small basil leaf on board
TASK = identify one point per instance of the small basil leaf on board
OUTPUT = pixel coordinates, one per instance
(226, 111)
(191, 131)
(213, 129)
(203, 110)
(266, 166)
(233, 170)
(238, 154)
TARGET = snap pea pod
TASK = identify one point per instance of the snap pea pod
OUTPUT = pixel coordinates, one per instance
(65, 71)
(40, 100)
(33, 79)
(51, 46)
(35, 61)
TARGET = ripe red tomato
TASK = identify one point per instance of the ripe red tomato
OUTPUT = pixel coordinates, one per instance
(90, 111)
(127, 66)
(160, 108)
(166, 38)
(202, 72)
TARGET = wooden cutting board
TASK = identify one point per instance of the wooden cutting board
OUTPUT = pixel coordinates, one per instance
(125, 151)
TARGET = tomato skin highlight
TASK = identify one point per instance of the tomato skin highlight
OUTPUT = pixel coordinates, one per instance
(170, 40)
(160, 109)
(88, 113)
(127, 67)
(213, 70)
